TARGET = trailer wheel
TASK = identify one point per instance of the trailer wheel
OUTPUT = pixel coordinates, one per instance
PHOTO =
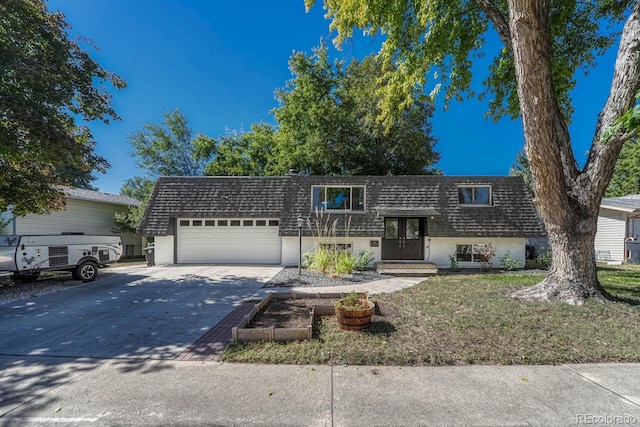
(87, 271)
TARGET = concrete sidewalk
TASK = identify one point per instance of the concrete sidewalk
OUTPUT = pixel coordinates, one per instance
(50, 391)
(381, 286)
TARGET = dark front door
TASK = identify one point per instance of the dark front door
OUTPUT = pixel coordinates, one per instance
(403, 239)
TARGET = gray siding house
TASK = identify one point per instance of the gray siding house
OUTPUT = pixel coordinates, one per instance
(398, 218)
(618, 220)
(86, 211)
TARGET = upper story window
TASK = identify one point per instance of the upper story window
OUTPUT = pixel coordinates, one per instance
(474, 195)
(337, 198)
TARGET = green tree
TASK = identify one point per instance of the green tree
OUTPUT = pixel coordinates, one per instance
(521, 168)
(47, 83)
(165, 149)
(140, 188)
(545, 43)
(626, 175)
(240, 153)
(75, 177)
(169, 148)
(328, 121)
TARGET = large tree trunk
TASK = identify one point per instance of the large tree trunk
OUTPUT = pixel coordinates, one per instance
(573, 276)
(568, 199)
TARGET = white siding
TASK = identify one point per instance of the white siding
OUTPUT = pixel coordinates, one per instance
(611, 233)
(163, 250)
(438, 249)
(79, 216)
(290, 245)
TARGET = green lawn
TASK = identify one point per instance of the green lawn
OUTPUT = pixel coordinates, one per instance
(469, 319)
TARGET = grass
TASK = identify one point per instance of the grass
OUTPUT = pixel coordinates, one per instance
(469, 319)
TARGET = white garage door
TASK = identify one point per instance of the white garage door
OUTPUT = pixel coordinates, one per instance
(233, 241)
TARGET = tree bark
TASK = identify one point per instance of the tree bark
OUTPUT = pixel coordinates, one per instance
(568, 199)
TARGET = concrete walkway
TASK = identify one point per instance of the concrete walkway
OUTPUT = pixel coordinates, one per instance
(53, 391)
(382, 286)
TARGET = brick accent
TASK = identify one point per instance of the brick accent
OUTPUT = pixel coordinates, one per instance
(216, 339)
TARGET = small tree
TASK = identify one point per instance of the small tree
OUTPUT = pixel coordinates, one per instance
(486, 254)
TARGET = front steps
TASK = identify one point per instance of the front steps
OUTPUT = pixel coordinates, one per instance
(413, 269)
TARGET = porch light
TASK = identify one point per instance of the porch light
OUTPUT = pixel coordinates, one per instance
(300, 222)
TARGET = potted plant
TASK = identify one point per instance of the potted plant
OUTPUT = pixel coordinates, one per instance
(353, 312)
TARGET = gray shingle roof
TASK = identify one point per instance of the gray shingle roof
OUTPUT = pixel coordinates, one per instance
(626, 203)
(434, 197)
(98, 196)
(211, 197)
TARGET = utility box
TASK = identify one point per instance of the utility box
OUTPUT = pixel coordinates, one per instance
(634, 251)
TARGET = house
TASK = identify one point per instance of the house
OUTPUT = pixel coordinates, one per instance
(618, 220)
(399, 218)
(86, 211)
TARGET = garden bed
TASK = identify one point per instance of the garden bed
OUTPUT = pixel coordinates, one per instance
(285, 316)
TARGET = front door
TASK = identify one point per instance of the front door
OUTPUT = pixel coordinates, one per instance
(403, 239)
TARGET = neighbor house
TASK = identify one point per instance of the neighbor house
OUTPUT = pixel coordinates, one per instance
(618, 221)
(86, 212)
(398, 218)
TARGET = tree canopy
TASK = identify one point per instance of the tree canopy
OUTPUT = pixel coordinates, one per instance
(545, 45)
(626, 176)
(168, 148)
(328, 120)
(327, 124)
(48, 82)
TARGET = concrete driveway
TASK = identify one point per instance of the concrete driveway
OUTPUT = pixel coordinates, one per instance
(150, 312)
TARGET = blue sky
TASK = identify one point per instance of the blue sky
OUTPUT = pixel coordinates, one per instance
(220, 63)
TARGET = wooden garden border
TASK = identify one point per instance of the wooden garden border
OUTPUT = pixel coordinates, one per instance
(242, 334)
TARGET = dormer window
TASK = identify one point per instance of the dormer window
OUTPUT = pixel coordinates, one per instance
(476, 195)
(337, 198)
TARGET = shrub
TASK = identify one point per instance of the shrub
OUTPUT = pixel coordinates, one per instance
(487, 252)
(364, 259)
(453, 262)
(510, 263)
(544, 259)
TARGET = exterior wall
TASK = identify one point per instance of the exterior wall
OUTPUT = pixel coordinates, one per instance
(79, 216)
(358, 245)
(438, 249)
(164, 250)
(611, 233)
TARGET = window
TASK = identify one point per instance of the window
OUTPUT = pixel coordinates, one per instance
(338, 247)
(184, 223)
(470, 252)
(274, 223)
(209, 223)
(341, 198)
(391, 229)
(261, 223)
(475, 195)
(197, 223)
(222, 223)
(247, 223)
(235, 223)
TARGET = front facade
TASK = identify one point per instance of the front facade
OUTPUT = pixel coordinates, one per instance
(618, 221)
(85, 212)
(397, 218)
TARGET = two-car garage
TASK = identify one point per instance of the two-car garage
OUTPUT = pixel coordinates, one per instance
(228, 240)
